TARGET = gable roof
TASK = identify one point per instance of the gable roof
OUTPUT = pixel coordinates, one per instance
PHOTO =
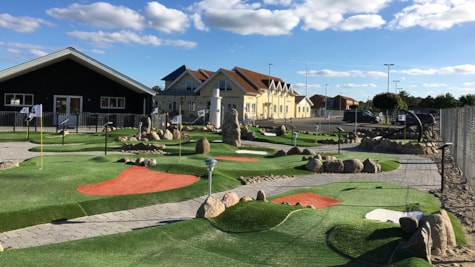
(300, 98)
(73, 54)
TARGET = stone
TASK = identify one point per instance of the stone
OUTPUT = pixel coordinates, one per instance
(167, 135)
(318, 156)
(150, 162)
(202, 146)
(280, 153)
(420, 242)
(230, 199)
(451, 242)
(176, 134)
(231, 130)
(261, 196)
(352, 166)
(281, 130)
(8, 164)
(409, 224)
(334, 166)
(140, 162)
(246, 199)
(438, 233)
(294, 151)
(154, 136)
(212, 207)
(307, 151)
(315, 165)
(371, 166)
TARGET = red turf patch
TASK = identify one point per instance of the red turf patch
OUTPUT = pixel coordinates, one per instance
(306, 199)
(138, 180)
(244, 159)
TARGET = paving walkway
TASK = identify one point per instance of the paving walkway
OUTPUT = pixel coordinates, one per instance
(415, 171)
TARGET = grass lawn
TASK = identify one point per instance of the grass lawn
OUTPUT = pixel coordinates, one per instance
(334, 236)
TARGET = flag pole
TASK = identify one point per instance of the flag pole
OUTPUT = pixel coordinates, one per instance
(41, 137)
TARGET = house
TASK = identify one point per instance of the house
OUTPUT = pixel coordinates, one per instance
(71, 85)
(303, 107)
(343, 102)
(254, 95)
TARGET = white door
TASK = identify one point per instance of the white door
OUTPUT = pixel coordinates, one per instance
(67, 107)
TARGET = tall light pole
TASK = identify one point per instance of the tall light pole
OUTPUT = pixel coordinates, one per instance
(388, 65)
(395, 85)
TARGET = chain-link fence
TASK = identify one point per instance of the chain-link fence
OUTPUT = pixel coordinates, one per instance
(457, 126)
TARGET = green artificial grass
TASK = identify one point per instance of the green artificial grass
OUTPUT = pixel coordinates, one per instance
(334, 236)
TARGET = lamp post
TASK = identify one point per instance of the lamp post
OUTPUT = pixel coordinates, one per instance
(210, 162)
(395, 85)
(388, 65)
(442, 181)
(106, 127)
(339, 137)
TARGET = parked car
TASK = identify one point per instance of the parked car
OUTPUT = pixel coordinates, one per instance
(360, 116)
(426, 119)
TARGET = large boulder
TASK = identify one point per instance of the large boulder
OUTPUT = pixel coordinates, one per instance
(202, 146)
(334, 166)
(281, 130)
(230, 199)
(409, 224)
(261, 196)
(212, 207)
(352, 166)
(167, 135)
(371, 166)
(314, 165)
(442, 233)
(420, 242)
(294, 151)
(231, 130)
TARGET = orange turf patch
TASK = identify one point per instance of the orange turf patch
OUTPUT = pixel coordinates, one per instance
(244, 159)
(138, 180)
(306, 199)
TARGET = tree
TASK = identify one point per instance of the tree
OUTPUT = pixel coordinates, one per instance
(468, 100)
(388, 101)
(408, 99)
(445, 101)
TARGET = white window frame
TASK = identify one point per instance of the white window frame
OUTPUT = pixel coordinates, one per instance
(20, 100)
(113, 102)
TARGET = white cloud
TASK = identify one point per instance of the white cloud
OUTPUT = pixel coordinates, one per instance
(101, 14)
(471, 84)
(433, 85)
(377, 74)
(327, 73)
(417, 71)
(165, 19)
(435, 14)
(126, 37)
(362, 85)
(38, 53)
(323, 15)
(22, 24)
(458, 69)
(250, 21)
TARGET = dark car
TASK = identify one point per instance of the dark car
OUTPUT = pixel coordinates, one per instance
(426, 119)
(360, 116)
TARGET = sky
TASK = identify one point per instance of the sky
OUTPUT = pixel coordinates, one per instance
(326, 47)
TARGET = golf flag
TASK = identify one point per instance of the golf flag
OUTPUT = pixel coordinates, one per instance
(25, 110)
(176, 119)
(36, 111)
(201, 113)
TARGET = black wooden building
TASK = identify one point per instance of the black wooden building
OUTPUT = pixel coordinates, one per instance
(70, 84)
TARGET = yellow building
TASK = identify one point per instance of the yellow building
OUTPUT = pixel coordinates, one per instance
(254, 95)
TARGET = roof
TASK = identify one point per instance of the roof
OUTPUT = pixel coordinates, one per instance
(75, 55)
(300, 98)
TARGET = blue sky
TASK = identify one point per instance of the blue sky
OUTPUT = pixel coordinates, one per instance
(319, 46)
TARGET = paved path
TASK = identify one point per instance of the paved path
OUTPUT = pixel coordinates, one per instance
(415, 171)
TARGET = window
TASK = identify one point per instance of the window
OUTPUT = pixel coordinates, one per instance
(223, 85)
(280, 108)
(110, 102)
(253, 108)
(189, 85)
(231, 106)
(191, 106)
(172, 106)
(18, 99)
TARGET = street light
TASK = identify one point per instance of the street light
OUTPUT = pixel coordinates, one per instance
(210, 162)
(442, 147)
(339, 137)
(106, 126)
(388, 65)
(395, 85)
